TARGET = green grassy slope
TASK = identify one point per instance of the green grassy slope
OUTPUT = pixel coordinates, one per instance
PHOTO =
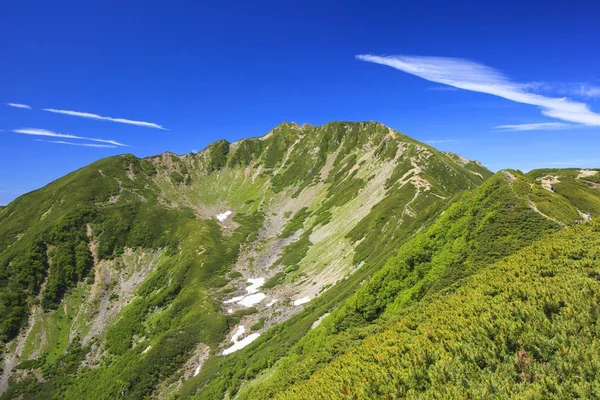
(485, 225)
(524, 327)
(183, 279)
(578, 187)
(50, 224)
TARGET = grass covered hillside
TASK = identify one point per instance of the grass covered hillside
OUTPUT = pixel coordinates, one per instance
(525, 327)
(483, 226)
(136, 277)
(579, 187)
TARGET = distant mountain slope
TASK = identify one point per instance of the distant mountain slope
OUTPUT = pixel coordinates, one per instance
(474, 166)
(579, 187)
(524, 327)
(131, 276)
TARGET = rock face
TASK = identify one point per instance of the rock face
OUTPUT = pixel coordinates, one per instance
(129, 273)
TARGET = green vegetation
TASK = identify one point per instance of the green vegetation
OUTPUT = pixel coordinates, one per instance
(259, 325)
(485, 225)
(19, 287)
(177, 177)
(294, 252)
(295, 223)
(123, 267)
(217, 155)
(515, 329)
(181, 282)
(274, 281)
(247, 151)
(582, 195)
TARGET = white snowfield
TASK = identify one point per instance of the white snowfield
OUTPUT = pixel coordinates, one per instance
(250, 300)
(253, 297)
(302, 300)
(237, 345)
(223, 217)
(255, 284)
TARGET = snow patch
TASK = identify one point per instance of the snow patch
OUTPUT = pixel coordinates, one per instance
(252, 299)
(234, 300)
(222, 217)
(197, 370)
(302, 300)
(146, 350)
(254, 285)
(240, 331)
(240, 344)
(269, 304)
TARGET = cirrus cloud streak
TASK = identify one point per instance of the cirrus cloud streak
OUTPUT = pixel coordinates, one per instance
(472, 76)
(18, 105)
(102, 118)
(44, 132)
(542, 126)
(100, 146)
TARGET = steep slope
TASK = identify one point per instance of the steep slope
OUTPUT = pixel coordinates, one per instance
(130, 277)
(485, 225)
(525, 327)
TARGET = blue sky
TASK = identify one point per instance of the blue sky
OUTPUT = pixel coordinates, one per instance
(511, 83)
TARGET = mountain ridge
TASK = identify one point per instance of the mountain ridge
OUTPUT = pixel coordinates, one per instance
(147, 276)
(303, 209)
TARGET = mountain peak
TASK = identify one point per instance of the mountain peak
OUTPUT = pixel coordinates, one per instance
(309, 211)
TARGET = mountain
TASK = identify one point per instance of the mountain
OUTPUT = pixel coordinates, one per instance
(133, 277)
(300, 264)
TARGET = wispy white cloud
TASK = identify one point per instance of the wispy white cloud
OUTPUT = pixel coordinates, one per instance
(100, 146)
(542, 126)
(576, 89)
(18, 105)
(441, 141)
(589, 91)
(100, 117)
(44, 132)
(469, 75)
(442, 89)
(584, 90)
